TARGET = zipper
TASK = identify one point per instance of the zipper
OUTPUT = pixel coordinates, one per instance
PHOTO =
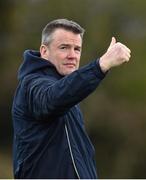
(68, 140)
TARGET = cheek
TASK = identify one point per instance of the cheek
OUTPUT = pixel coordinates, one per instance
(58, 59)
(78, 62)
(61, 55)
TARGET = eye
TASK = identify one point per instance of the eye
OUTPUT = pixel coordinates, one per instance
(63, 47)
(78, 49)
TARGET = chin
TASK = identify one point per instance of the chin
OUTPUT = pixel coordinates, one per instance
(68, 72)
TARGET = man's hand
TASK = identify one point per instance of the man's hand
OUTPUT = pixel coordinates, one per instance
(117, 53)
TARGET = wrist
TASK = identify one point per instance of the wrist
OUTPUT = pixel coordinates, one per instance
(103, 64)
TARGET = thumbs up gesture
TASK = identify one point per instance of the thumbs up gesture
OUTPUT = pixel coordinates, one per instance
(116, 54)
(113, 41)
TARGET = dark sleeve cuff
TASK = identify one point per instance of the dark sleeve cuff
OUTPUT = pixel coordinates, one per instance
(97, 69)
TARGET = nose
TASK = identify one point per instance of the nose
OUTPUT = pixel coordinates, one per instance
(72, 54)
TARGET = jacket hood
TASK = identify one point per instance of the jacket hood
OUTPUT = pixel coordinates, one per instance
(31, 63)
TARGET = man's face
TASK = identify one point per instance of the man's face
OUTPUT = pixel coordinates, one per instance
(64, 51)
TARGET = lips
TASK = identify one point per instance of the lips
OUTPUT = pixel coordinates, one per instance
(70, 65)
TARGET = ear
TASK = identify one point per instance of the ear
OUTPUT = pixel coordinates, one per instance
(44, 51)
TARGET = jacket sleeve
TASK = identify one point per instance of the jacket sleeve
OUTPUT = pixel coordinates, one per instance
(47, 97)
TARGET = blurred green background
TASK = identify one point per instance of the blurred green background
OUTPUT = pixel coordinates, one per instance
(115, 114)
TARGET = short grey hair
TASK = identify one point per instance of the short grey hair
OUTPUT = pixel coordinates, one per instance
(66, 24)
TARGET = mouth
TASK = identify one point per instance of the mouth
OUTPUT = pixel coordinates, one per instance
(70, 65)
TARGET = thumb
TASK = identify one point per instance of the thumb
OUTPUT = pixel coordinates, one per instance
(113, 41)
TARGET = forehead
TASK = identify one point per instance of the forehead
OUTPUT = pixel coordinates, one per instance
(62, 36)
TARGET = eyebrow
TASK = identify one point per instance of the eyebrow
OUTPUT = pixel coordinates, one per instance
(69, 45)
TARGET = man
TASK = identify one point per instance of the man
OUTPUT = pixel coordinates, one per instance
(50, 140)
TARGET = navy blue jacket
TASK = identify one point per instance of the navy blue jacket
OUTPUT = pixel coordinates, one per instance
(50, 140)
